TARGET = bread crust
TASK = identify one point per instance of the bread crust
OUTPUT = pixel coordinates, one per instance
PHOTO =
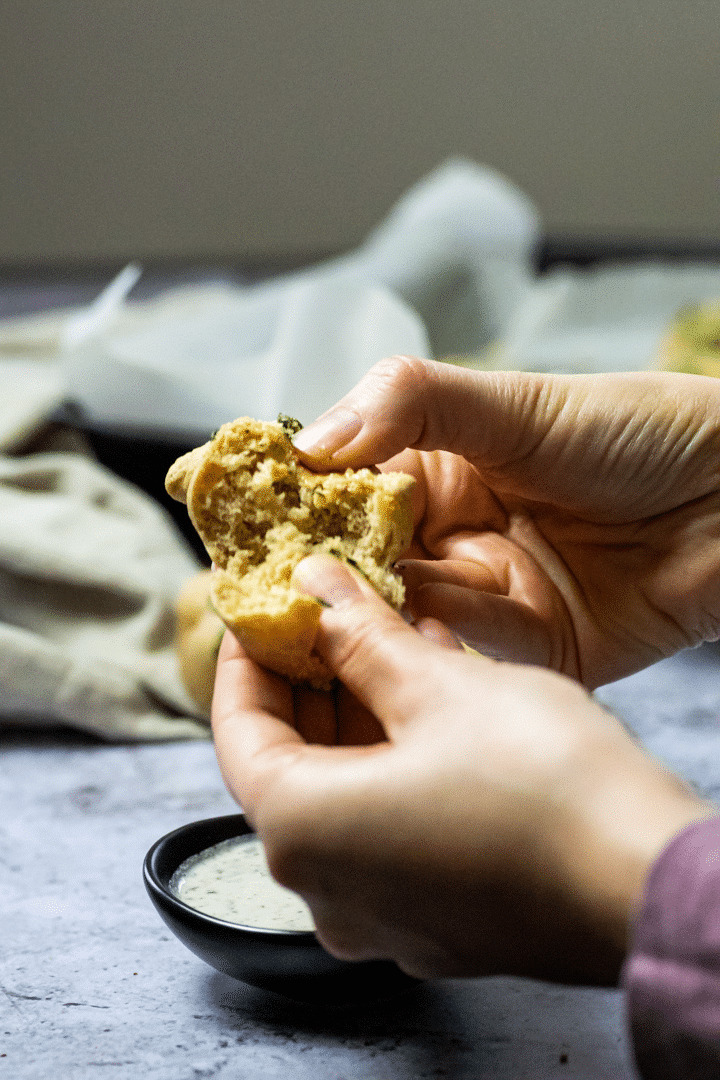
(199, 631)
(259, 511)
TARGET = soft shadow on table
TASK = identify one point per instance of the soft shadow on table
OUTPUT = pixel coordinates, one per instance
(420, 1025)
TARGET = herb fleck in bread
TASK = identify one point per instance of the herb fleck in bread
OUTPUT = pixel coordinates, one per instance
(259, 511)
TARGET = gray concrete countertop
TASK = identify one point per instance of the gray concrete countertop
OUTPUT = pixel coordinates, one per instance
(92, 984)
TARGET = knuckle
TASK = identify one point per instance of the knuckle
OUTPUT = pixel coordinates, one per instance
(421, 397)
(344, 940)
(402, 375)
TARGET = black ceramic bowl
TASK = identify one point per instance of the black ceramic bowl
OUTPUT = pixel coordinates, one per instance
(287, 962)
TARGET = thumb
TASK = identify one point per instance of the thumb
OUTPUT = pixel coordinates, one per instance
(404, 402)
(382, 660)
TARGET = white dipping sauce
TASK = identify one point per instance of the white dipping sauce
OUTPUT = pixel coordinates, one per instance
(231, 881)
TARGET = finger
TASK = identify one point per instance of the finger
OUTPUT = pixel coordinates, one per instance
(407, 402)
(495, 626)
(252, 715)
(347, 935)
(384, 662)
(335, 718)
(435, 631)
(470, 574)
(356, 725)
(315, 717)
(261, 726)
(555, 438)
(243, 685)
(357, 936)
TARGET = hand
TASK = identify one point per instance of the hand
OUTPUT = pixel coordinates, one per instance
(568, 521)
(506, 825)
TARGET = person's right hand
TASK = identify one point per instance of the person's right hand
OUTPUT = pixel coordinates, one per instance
(505, 824)
(566, 521)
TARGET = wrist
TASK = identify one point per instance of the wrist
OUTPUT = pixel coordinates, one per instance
(628, 822)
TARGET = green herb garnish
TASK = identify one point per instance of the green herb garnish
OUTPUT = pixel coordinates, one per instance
(289, 424)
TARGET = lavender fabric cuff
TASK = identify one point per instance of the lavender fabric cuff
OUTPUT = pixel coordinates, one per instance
(672, 974)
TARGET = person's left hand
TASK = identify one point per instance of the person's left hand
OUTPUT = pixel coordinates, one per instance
(567, 521)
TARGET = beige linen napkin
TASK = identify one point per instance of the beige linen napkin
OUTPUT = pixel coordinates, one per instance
(89, 571)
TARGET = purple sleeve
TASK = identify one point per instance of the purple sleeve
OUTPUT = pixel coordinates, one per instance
(672, 974)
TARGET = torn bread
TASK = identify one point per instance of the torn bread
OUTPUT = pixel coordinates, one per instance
(259, 511)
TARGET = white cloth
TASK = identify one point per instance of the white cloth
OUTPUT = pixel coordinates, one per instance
(448, 273)
(442, 274)
(89, 571)
(604, 318)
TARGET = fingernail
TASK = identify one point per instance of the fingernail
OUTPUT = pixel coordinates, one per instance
(328, 434)
(327, 579)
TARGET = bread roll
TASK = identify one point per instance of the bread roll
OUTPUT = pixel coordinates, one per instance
(259, 511)
(197, 640)
(691, 343)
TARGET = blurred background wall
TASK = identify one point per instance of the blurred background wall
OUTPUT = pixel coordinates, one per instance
(280, 131)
